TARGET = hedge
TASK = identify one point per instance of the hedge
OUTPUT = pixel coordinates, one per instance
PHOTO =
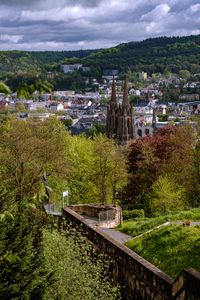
(135, 213)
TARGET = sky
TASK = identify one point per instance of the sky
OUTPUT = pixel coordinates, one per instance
(92, 24)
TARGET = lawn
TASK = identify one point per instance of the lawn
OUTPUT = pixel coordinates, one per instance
(171, 248)
(137, 226)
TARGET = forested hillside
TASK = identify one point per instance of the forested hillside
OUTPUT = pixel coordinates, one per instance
(11, 61)
(152, 55)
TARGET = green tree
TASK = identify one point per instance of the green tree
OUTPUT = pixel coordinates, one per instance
(101, 92)
(184, 74)
(97, 128)
(23, 91)
(22, 271)
(104, 100)
(27, 150)
(167, 196)
(4, 88)
(109, 170)
(80, 179)
(68, 122)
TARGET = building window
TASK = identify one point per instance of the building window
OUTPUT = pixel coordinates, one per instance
(140, 132)
(146, 131)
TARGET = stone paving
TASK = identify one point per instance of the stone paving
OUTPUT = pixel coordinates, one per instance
(116, 235)
(122, 237)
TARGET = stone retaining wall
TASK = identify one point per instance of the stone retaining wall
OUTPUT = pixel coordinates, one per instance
(138, 278)
(93, 210)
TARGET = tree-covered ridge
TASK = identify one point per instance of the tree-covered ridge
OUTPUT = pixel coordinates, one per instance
(11, 61)
(151, 55)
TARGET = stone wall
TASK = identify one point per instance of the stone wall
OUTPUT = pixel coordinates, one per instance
(138, 278)
(93, 210)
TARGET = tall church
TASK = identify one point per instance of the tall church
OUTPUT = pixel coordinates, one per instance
(119, 122)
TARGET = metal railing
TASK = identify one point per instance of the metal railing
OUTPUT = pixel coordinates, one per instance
(53, 209)
(107, 215)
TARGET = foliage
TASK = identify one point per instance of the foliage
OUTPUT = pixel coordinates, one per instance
(109, 168)
(4, 88)
(21, 258)
(184, 74)
(26, 151)
(170, 248)
(184, 163)
(12, 61)
(173, 53)
(134, 213)
(49, 265)
(171, 153)
(104, 100)
(80, 177)
(140, 225)
(146, 159)
(97, 169)
(76, 275)
(166, 196)
(163, 118)
(68, 122)
(26, 91)
(167, 55)
(97, 128)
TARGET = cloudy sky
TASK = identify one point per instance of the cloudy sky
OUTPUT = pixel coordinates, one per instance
(89, 24)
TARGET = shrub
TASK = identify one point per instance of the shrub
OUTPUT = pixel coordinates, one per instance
(134, 213)
(78, 273)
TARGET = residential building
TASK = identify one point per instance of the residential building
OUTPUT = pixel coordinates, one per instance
(56, 106)
(70, 68)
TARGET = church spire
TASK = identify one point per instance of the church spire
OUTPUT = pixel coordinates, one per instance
(113, 95)
(125, 102)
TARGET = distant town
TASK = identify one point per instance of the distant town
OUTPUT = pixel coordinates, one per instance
(173, 98)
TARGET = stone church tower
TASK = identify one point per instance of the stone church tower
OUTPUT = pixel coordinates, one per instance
(119, 123)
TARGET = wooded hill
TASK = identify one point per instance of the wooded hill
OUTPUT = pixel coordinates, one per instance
(151, 55)
(12, 61)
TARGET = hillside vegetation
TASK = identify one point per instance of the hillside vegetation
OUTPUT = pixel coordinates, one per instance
(138, 226)
(12, 61)
(171, 248)
(151, 55)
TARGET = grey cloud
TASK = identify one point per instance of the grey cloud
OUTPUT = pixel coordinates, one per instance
(58, 25)
(50, 3)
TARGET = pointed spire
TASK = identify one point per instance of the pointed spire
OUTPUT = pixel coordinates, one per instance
(125, 101)
(113, 95)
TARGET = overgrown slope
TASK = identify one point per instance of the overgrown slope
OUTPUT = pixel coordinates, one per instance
(171, 248)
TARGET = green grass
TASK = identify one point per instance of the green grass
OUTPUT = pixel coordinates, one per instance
(137, 226)
(171, 248)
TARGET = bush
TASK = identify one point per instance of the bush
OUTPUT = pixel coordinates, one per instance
(78, 273)
(134, 213)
